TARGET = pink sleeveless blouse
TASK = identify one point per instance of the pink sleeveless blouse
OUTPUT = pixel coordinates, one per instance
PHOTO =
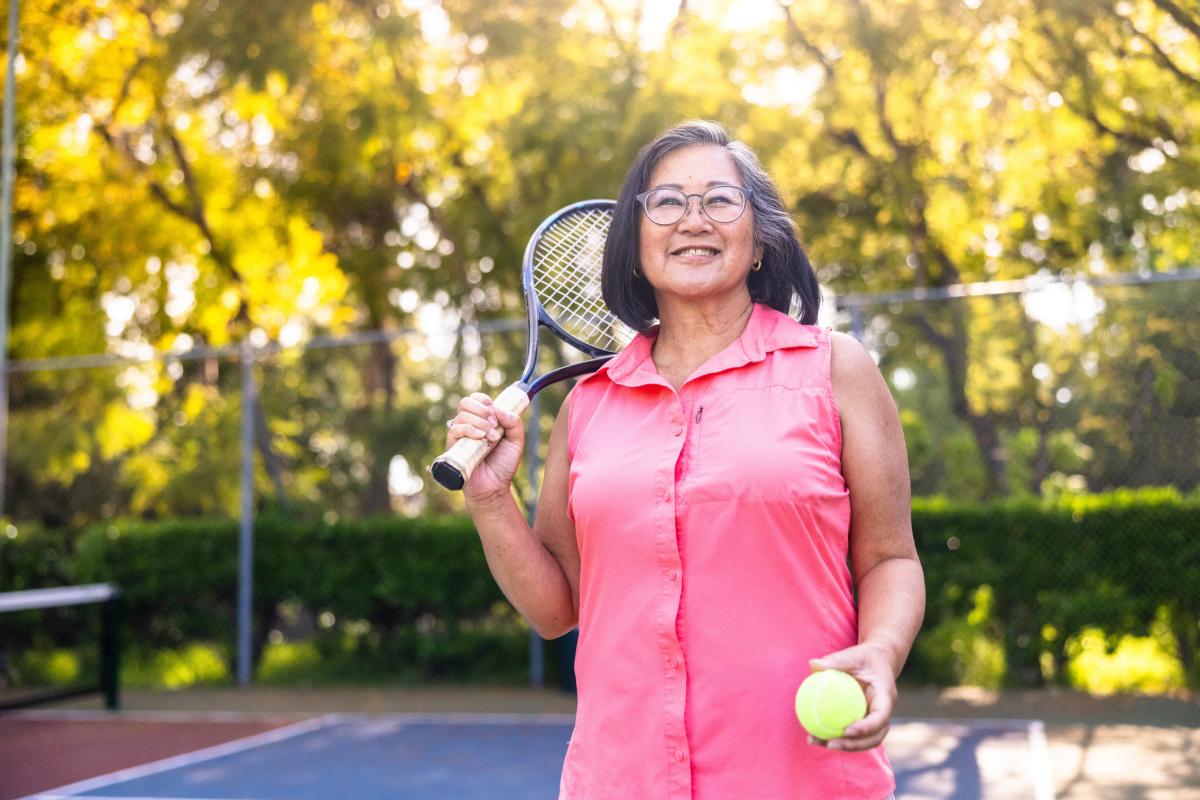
(713, 529)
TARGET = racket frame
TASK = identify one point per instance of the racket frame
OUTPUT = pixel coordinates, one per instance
(445, 469)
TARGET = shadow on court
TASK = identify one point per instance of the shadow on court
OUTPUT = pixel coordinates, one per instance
(955, 776)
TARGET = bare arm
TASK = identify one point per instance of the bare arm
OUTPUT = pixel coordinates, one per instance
(538, 568)
(883, 556)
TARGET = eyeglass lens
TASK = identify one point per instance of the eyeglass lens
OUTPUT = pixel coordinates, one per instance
(720, 204)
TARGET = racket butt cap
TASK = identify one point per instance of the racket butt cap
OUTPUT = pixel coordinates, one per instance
(447, 475)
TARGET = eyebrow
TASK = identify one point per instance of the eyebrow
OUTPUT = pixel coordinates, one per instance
(708, 185)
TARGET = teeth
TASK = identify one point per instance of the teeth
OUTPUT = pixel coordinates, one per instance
(696, 251)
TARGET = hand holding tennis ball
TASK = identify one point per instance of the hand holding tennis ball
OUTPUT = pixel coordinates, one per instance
(829, 700)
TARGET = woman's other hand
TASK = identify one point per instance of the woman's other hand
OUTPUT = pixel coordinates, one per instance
(871, 666)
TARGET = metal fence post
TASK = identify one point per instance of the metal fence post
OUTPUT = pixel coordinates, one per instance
(858, 328)
(537, 648)
(8, 156)
(110, 652)
(246, 526)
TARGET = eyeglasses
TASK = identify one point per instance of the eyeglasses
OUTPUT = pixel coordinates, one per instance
(668, 206)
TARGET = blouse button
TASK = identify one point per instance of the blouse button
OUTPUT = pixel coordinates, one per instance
(674, 662)
(672, 575)
(679, 755)
(678, 430)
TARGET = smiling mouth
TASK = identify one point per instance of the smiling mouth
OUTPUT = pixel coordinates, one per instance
(703, 252)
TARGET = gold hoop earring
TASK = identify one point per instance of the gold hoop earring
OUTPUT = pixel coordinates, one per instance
(757, 266)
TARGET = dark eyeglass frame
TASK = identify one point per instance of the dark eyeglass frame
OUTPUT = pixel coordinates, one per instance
(687, 203)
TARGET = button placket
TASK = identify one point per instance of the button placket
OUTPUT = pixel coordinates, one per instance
(675, 696)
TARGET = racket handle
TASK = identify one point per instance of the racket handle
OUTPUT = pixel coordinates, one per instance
(453, 467)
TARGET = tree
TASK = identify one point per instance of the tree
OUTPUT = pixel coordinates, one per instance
(201, 174)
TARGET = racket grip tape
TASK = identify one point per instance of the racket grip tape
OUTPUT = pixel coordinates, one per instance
(453, 468)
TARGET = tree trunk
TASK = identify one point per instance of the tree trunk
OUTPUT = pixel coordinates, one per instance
(381, 369)
(983, 426)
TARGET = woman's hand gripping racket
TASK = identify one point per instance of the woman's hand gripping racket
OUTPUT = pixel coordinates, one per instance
(561, 279)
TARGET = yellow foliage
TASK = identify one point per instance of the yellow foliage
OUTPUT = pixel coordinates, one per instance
(193, 665)
(54, 667)
(277, 84)
(281, 660)
(967, 652)
(196, 399)
(79, 461)
(1147, 664)
(122, 430)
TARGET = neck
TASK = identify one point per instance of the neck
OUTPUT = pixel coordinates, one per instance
(690, 335)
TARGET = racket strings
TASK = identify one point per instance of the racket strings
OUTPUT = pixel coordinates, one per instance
(596, 328)
(576, 307)
(569, 266)
(566, 273)
(578, 248)
(576, 294)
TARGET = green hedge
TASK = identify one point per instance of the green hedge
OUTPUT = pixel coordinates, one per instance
(1016, 591)
(1031, 577)
(391, 599)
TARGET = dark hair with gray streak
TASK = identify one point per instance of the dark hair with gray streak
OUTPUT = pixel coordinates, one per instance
(786, 274)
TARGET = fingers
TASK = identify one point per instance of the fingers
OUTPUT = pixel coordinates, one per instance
(477, 418)
(872, 670)
(851, 744)
(507, 419)
(871, 729)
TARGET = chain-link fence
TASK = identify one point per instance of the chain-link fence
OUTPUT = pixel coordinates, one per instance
(1059, 389)
(340, 427)
(1042, 389)
(1070, 387)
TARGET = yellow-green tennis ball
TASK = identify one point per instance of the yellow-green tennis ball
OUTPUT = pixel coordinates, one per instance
(828, 701)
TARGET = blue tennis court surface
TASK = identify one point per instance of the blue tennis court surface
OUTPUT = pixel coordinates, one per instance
(510, 757)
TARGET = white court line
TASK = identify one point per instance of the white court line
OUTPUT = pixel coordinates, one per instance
(187, 759)
(1039, 762)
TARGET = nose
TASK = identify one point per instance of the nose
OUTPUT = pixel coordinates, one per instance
(693, 215)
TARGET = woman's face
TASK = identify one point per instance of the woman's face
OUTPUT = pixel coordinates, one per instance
(697, 259)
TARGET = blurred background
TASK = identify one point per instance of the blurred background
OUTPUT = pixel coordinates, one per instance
(295, 228)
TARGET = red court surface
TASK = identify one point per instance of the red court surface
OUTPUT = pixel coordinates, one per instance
(39, 754)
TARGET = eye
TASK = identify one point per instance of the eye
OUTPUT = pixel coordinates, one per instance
(721, 197)
(661, 199)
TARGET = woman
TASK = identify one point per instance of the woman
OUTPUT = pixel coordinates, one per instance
(714, 500)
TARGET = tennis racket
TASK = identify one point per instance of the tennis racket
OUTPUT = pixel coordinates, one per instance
(561, 279)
